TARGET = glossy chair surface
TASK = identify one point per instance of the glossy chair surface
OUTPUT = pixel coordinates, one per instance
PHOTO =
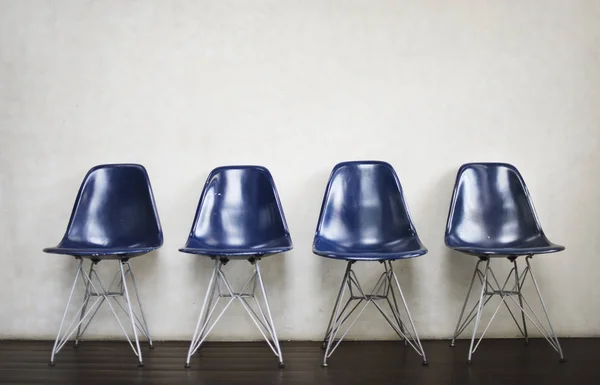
(364, 215)
(239, 215)
(114, 218)
(364, 218)
(491, 213)
(114, 215)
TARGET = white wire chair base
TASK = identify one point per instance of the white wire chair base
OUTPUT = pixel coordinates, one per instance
(383, 291)
(86, 312)
(218, 288)
(490, 287)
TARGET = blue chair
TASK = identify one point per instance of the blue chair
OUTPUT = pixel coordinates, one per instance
(114, 219)
(239, 217)
(492, 216)
(364, 218)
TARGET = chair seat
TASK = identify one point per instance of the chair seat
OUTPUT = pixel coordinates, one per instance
(235, 253)
(537, 244)
(101, 252)
(504, 251)
(400, 249)
(275, 246)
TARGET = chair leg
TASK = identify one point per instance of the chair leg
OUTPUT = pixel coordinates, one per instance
(336, 315)
(270, 319)
(337, 301)
(519, 286)
(62, 322)
(86, 300)
(146, 329)
(412, 324)
(393, 304)
(88, 309)
(203, 317)
(492, 287)
(462, 312)
(382, 290)
(479, 309)
(72, 328)
(553, 336)
(262, 319)
(131, 314)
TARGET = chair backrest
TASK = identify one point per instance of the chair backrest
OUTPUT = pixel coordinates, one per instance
(114, 208)
(491, 207)
(364, 205)
(239, 208)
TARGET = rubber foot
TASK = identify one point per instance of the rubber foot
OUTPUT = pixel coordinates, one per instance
(562, 361)
(187, 366)
(469, 362)
(281, 365)
(526, 343)
(323, 365)
(141, 365)
(51, 364)
(151, 346)
(425, 363)
(76, 345)
(452, 345)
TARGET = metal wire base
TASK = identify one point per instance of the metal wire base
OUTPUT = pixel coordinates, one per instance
(490, 287)
(382, 291)
(86, 312)
(219, 287)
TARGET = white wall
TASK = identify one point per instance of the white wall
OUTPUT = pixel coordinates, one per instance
(297, 86)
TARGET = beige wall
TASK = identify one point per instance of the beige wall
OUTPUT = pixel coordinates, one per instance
(297, 86)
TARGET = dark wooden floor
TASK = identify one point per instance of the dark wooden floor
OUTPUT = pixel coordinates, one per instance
(497, 362)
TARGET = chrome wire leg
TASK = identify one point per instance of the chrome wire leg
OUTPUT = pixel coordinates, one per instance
(203, 317)
(552, 338)
(479, 309)
(462, 312)
(88, 309)
(338, 312)
(219, 287)
(519, 286)
(131, 315)
(145, 329)
(270, 322)
(415, 336)
(56, 348)
(490, 288)
(395, 309)
(86, 300)
(383, 289)
(337, 301)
